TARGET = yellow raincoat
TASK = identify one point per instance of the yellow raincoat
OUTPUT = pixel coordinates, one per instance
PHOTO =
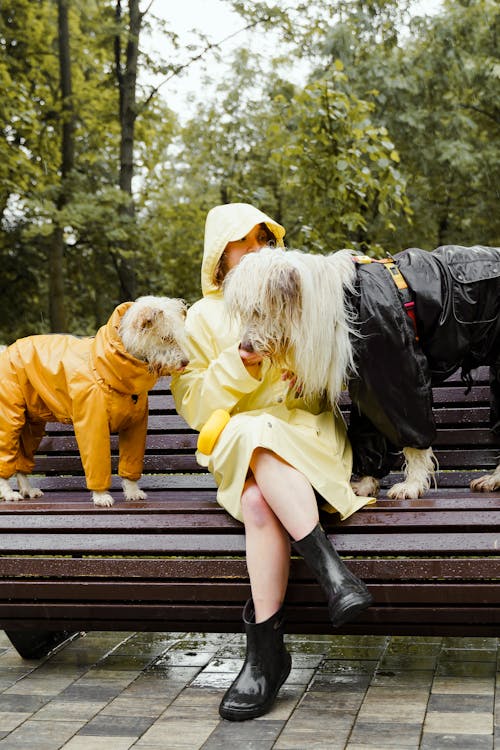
(264, 413)
(91, 382)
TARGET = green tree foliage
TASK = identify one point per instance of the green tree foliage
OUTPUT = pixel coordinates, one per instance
(388, 138)
(437, 91)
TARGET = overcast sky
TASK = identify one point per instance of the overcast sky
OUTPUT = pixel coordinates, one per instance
(216, 21)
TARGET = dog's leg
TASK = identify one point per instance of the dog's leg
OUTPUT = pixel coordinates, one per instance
(420, 467)
(25, 487)
(132, 491)
(102, 499)
(7, 493)
(487, 483)
(365, 486)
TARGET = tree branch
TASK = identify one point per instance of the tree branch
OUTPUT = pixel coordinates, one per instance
(198, 56)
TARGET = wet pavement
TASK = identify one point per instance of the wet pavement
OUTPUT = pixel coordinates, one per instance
(161, 691)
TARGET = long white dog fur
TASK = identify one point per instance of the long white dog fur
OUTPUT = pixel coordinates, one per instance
(291, 306)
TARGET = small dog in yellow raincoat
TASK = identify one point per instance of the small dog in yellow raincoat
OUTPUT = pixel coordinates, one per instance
(99, 384)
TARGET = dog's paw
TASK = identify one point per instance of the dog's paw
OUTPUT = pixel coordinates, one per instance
(132, 491)
(102, 499)
(486, 483)
(365, 487)
(30, 493)
(137, 495)
(10, 496)
(404, 490)
(7, 494)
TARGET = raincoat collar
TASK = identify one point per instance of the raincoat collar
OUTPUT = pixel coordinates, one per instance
(226, 223)
(119, 369)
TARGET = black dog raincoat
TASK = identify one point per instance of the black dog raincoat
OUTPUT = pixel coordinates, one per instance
(454, 295)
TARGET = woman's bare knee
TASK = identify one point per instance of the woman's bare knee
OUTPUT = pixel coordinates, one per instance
(254, 507)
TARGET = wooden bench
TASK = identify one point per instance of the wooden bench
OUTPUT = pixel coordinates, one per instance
(176, 561)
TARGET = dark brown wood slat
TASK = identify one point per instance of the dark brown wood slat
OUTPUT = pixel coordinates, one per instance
(435, 543)
(386, 520)
(231, 623)
(59, 464)
(477, 437)
(113, 522)
(114, 592)
(476, 416)
(164, 442)
(203, 569)
(170, 614)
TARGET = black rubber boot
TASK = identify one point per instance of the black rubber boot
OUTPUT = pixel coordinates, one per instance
(347, 595)
(266, 667)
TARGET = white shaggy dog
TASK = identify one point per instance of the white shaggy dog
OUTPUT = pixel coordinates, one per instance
(99, 384)
(299, 309)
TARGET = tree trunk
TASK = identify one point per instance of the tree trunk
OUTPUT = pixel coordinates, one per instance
(57, 307)
(127, 80)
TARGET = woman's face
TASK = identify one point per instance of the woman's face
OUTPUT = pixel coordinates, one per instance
(252, 242)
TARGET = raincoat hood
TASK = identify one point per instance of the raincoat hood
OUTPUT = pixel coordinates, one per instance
(119, 369)
(227, 223)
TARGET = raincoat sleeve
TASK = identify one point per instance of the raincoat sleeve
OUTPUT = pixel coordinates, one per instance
(90, 422)
(215, 378)
(132, 444)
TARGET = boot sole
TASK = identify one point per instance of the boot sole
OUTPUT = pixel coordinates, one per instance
(349, 607)
(233, 714)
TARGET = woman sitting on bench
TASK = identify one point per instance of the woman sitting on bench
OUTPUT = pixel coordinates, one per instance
(274, 459)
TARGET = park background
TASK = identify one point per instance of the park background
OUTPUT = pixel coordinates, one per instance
(356, 123)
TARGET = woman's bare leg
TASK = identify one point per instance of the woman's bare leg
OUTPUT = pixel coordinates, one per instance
(267, 552)
(287, 492)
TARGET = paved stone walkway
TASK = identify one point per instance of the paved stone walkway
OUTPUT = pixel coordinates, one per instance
(160, 691)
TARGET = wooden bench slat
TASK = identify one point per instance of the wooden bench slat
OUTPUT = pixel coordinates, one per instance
(386, 520)
(222, 568)
(476, 542)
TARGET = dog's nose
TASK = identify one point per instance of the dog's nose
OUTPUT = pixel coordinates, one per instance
(247, 346)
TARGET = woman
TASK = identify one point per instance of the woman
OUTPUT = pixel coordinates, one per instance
(268, 458)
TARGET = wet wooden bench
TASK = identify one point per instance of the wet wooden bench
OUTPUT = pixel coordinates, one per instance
(176, 562)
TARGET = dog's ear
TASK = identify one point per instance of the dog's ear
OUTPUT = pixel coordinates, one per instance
(146, 318)
(287, 289)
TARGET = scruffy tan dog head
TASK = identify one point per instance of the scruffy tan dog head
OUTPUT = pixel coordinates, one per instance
(152, 330)
(291, 308)
(264, 293)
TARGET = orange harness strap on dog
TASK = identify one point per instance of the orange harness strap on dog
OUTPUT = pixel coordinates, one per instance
(400, 282)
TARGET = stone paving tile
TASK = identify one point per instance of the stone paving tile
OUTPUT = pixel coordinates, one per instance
(399, 678)
(175, 658)
(386, 733)
(258, 735)
(117, 726)
(460, 702)
(22, 703)
(456, 742)
(409, 705)
(464, 685)
(315, 730)
(458, 668)
(71, 710)
(342, 701)
(344, 682)
(99, 743)
(187, 733)
(40, 735)
(125, 705)
(9, 720)
(459, 722)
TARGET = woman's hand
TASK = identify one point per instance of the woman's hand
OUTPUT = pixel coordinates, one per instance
(292, 382)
